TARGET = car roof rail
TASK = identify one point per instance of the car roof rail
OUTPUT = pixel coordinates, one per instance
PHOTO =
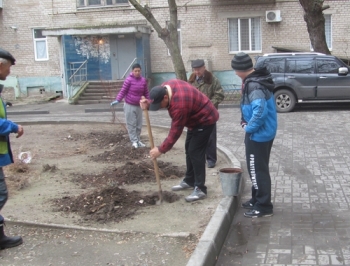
(293, 54)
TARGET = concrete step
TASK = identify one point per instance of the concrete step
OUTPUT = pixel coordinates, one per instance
(102, 97)
(97, 94)
(119, 82)
(93, 101)
(103, 87)
(101, 90)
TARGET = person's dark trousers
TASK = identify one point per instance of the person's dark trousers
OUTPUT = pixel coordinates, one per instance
(258, 157)
(3, 189)
(195, 147)
(5, 242)
(211, 148)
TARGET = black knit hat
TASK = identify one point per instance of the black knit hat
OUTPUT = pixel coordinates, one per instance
(6, 55)
(241, 62)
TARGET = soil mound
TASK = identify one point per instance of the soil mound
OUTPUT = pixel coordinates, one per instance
(109, 204)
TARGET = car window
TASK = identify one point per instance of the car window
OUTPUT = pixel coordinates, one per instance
(300, 66)
(275, 65)
(327, 66)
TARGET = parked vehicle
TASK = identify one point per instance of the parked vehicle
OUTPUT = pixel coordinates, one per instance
(306, 78)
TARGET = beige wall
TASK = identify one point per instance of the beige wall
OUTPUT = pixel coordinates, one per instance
(203, 29)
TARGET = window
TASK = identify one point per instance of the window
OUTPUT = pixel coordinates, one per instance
(178, 35)
(94, 3)
(244, 34)
(40, 45)
(328, 30)
(300, 66)
(275, 65)
(327, 66)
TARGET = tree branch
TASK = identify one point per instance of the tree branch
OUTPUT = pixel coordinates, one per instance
(146, 12)
(325, 7)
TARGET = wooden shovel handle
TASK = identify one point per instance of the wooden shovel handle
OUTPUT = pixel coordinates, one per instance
(155, 163)
(150, 136)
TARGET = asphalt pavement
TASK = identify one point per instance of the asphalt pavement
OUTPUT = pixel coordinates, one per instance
(310, 170)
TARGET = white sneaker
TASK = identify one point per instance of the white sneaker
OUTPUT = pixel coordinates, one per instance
(140, 144)
(197, 194)
(135, 145)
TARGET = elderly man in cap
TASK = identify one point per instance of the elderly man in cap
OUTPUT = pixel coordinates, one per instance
(259, 121)
(208, 84)
(189, 108)
(6, 127)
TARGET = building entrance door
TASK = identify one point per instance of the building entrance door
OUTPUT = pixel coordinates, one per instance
(123, 52)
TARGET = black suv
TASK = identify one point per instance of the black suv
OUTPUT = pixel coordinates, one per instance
(306, 77)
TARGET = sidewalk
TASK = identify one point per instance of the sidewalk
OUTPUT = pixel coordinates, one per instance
(310, 171)
(310, 168)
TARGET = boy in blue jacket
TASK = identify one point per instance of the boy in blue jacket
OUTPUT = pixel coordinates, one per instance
(259, 121)
(6, 127)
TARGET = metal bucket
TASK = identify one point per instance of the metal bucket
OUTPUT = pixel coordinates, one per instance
(230, 181)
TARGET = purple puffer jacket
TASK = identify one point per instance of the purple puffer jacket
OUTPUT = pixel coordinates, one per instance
(133, 88)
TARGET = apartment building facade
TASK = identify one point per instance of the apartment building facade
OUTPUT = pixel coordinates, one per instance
(51, 39)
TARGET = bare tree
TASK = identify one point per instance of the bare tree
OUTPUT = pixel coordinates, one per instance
(169, 34)
(315, 22)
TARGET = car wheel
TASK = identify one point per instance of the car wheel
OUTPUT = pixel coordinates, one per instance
(285, 101)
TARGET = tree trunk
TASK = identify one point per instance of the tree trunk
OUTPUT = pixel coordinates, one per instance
(315, 22)
(168, 35)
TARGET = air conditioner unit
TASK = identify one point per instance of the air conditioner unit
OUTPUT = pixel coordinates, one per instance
(273, 16)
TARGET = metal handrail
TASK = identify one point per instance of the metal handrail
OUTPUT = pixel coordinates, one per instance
(129, 67)
(78, 69)
(77, 79)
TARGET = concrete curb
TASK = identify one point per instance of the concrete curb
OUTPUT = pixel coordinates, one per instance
(39, 112)
(82, 228)
(101, 110)
(210, 244)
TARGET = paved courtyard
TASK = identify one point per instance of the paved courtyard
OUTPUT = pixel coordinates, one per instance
(310, 169)
(310, 172)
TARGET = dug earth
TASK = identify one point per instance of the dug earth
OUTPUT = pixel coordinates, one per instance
(88, 175)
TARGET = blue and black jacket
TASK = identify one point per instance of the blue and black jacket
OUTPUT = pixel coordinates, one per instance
(258, 106)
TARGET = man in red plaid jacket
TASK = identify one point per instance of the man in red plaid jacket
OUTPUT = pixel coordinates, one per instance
(190, 108)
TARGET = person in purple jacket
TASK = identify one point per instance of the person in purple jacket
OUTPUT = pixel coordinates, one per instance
(134, 87)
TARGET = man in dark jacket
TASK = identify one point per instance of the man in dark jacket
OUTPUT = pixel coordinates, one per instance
(189, 108)
(259, 120)
(208, 84)
(6, 127)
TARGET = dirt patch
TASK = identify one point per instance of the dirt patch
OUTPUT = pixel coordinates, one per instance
(89, 175)
(129, 173)
(110, 204)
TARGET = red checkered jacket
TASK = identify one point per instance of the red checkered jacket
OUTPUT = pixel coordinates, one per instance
(189, 108)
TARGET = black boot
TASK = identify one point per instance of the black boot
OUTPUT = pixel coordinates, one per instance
(8, 242)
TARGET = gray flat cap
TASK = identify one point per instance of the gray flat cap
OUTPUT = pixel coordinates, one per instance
(197, 63)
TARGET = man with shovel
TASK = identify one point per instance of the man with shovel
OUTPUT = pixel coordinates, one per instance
(190, 108)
